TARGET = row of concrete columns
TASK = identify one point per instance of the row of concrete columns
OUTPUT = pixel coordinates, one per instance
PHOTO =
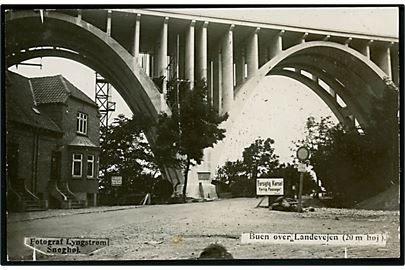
(382, 58)
(205, 68)
(220, 70)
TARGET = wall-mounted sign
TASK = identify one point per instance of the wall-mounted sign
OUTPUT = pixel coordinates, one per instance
(116, 181)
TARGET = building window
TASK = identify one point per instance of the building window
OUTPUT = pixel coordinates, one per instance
(77, 165)
(81, 123)
(90, 166)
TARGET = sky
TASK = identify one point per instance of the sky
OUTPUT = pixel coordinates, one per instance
(280, 106)
(356, 20)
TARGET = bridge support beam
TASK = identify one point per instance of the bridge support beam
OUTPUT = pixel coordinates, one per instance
(202, 53)
(303, 38)
(276, 45)
(252, 54)
(137, 34)
(79, 16)
(395, 65)
(109, 15)
(383, 60)
(189, 72)
(227, 70)
(365, 49)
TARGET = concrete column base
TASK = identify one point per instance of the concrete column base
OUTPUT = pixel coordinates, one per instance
(198, 188)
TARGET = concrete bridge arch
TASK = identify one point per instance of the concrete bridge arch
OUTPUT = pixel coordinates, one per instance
(87, 44)
(60, 35)
(347, 81)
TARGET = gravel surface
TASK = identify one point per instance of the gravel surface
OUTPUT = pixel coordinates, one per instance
(182, 231)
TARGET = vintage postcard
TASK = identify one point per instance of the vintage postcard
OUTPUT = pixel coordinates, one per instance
(202, 134)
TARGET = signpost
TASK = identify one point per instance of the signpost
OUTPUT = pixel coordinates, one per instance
(269, 187)
(302, 155)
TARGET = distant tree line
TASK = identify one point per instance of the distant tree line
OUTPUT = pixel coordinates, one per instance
(259, 161)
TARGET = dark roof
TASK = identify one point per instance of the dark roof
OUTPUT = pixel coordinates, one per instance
(82, 141)
(20, 105)
(56, 89)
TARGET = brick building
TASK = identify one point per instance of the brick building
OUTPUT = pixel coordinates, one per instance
(52, 144)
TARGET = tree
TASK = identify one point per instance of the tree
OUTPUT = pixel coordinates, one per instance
(356, 165)
(192, 127)
(126, 152)
(258, 160)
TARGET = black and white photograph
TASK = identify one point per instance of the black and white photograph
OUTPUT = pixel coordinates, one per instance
(202, 134)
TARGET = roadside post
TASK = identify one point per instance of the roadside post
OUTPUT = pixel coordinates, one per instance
(302, 155)
(116, 181)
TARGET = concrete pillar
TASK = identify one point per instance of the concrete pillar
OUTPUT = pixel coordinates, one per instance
(79, 15)
(227, 70)
(202, 53)
(109, 15)
(314, 78)
(240, 67)
(147, 64)
(162, 61)
(137, 34)
(304, 36)
(189, 72)
(347, 42)
(276, 46)
(395, 64)
(365, 49)
(389, 64)
(252, 54)
(383, 60)
(332, 92)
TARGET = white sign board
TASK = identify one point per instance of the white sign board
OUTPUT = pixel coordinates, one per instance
(116, 180)
(270, 186)
(302, 167)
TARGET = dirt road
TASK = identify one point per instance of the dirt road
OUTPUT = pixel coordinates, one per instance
(182, 231)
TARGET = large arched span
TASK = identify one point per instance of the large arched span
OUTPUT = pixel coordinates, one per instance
(65, 36)
(352, 77)
(24, 30)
